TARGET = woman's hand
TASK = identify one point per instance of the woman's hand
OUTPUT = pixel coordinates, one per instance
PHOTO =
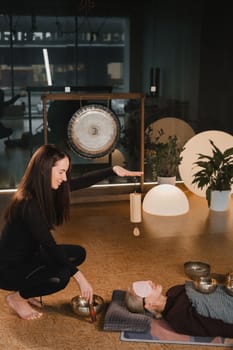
(120, 171)
(86, 289)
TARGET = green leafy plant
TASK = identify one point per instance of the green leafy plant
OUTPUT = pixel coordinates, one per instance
(216, 172)
(163, 157)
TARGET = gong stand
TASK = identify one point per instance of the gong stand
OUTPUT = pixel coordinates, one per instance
(78, 117)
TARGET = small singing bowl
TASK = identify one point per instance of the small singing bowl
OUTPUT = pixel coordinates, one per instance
(196, 269)
(229, 284)
(80, 306)
(205, 284)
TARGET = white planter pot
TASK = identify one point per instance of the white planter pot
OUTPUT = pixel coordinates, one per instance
(166, 180)
(219, 200)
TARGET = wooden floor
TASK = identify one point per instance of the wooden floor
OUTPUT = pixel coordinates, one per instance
(116, 258)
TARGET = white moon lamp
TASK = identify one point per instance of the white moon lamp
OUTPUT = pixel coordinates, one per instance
(200, 144)
(165, 200)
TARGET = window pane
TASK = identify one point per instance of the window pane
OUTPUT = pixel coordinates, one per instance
(85, 53)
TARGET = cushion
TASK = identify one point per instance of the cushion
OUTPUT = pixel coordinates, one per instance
(119, 318)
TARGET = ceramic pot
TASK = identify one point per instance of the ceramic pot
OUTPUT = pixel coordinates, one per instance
(166, 180)
(219, 200)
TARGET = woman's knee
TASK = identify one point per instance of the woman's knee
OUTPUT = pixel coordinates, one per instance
(82, 255)
(60, 280)
(77, 254)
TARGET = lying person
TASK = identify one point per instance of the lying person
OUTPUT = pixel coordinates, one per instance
(186, 310)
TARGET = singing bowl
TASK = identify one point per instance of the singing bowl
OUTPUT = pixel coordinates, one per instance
(80, 306)
(229, 284)
(205, 284)
(196, 269)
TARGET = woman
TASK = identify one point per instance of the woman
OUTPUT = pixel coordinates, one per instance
(31, 263)
(186, 310)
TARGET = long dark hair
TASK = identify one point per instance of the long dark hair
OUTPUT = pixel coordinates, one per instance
(36, 183)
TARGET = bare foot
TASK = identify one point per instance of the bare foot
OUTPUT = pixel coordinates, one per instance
(22, 307)
(35, 302)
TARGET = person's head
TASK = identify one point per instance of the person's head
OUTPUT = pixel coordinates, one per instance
(45, 179)
(144, 295)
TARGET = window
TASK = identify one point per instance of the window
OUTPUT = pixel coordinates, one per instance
(84, 52)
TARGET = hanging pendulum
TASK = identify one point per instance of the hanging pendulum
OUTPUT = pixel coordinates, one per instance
(135, 210)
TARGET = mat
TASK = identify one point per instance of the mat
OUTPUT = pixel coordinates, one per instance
(162, 334)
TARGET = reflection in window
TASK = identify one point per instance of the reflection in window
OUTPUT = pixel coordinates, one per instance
(84, 53)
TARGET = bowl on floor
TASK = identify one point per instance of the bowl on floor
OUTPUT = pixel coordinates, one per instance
(80, 306)
(196, 269)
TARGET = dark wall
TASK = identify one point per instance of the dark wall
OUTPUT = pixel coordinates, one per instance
(216, 68)
(200, 73)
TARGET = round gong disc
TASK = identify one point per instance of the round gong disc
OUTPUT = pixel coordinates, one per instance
(93, 131)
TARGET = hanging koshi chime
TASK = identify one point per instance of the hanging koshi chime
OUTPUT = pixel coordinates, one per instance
(135, 207)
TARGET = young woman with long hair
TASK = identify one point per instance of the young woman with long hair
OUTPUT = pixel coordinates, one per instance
(32, 264)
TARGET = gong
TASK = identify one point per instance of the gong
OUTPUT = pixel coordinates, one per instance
(93, 131)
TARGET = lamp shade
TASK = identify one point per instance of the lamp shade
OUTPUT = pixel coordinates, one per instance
(165, 200)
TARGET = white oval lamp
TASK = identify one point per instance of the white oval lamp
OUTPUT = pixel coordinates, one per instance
(165, 200)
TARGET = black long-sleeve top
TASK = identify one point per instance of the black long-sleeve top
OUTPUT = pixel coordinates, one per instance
(23, 238)
(184, 319)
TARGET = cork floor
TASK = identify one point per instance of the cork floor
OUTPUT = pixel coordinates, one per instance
(115, 258)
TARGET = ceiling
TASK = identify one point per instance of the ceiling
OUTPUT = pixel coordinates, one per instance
(68, 7)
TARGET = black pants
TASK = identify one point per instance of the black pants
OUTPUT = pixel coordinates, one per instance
(37, 279)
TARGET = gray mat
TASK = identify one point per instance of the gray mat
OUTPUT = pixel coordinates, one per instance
(161, 338)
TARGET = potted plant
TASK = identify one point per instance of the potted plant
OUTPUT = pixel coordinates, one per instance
(215, 173)
(163, 157)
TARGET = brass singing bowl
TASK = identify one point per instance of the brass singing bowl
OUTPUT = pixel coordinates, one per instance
(229, 284)
(80, 306)
(196, 269)
(205, 284)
